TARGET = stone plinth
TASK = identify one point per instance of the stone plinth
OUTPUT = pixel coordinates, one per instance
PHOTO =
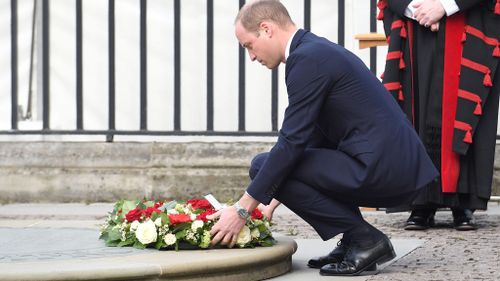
(76, 254)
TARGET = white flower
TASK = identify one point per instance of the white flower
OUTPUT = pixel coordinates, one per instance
(191, 235)
(193, 217)
(146, 232)
(244, 236)
(196, 224)
(169, 239)
(163, 230)
(172, 211)
(266, 223)
(134, 225)
(158, 222)
(255, 233)
(179, 208)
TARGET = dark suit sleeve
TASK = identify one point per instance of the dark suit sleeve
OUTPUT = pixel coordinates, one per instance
(307, 87)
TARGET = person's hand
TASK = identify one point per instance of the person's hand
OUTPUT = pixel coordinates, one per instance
(267, 211)
(227, 229)
(428, 12)
(435, 27)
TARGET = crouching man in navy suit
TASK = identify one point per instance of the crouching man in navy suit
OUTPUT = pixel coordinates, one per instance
(344, 143)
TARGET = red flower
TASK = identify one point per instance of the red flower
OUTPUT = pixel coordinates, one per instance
(149, 211)
(256, 214)
(200, 204)
(133, 215)
(178, 218)
(158, 204)
(203, 216)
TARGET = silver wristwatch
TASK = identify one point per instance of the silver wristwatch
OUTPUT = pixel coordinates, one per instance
(242, 212)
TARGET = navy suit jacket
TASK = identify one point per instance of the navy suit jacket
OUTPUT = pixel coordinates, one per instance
(335, 102)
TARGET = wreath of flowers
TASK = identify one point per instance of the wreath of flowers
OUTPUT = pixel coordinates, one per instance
(174, 225)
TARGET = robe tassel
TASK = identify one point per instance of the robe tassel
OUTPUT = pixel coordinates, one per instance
(381, 6)
(400, 94)
(402, 32)
(496, 51)
(478, 110)
(468, 137)
(487, 80)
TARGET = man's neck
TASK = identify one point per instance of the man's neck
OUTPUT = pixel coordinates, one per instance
(290, 34)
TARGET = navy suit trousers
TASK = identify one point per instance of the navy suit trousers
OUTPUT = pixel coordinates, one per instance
(327, 210)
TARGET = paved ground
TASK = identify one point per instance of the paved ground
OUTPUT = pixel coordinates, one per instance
(446, 254)
(441, 253)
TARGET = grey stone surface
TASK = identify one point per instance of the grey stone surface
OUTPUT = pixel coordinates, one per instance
(105, 172)
(59, 253)
(446, 254)
(440, 253)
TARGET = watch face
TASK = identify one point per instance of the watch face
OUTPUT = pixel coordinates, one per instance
(242, 213)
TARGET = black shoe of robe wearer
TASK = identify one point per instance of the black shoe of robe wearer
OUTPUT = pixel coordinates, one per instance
(420, 220)
(464, 220)
(361, 258)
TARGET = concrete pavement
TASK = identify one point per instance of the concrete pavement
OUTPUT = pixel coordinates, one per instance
(54, 236)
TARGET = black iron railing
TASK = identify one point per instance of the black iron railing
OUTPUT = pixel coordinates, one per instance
(177, 100)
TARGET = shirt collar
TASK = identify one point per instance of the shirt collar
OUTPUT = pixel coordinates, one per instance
(287, 50)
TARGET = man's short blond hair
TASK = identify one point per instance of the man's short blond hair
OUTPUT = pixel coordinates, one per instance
(254, 13)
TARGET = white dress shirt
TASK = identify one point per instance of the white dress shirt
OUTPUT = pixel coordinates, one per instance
(287, 50)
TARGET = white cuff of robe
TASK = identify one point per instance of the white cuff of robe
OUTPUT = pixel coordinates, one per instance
(450, 6)
(409, 11)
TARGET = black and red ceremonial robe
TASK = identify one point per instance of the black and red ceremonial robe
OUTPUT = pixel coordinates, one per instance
(448, 96)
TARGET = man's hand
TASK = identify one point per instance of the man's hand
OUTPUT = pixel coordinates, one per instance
(428, 12)
(267, 211)
(228, 227)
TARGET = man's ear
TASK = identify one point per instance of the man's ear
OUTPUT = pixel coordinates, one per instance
(267, 28)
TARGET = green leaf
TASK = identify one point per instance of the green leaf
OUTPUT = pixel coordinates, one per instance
(164, 219)
(154, 216)
(182, 226)
(127, 242)
(159, 243)
(149, 204)
(127, 206)
(180, 234)
(139, 245)
(112, 243)
(114, 235)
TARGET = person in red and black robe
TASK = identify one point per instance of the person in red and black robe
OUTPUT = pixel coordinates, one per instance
(442, 68)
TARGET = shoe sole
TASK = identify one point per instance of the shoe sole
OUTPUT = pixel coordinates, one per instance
(465, 228)
(415, 227)
(370, 267)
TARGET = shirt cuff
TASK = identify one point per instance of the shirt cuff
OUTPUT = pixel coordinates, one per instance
(409, 11)
(450, 6)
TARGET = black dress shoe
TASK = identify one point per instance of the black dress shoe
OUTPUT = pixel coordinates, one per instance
(360, 258)
(337, 255)
(420, 220)
(464, 220)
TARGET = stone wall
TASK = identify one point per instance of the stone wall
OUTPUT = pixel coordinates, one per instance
(105, 172)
